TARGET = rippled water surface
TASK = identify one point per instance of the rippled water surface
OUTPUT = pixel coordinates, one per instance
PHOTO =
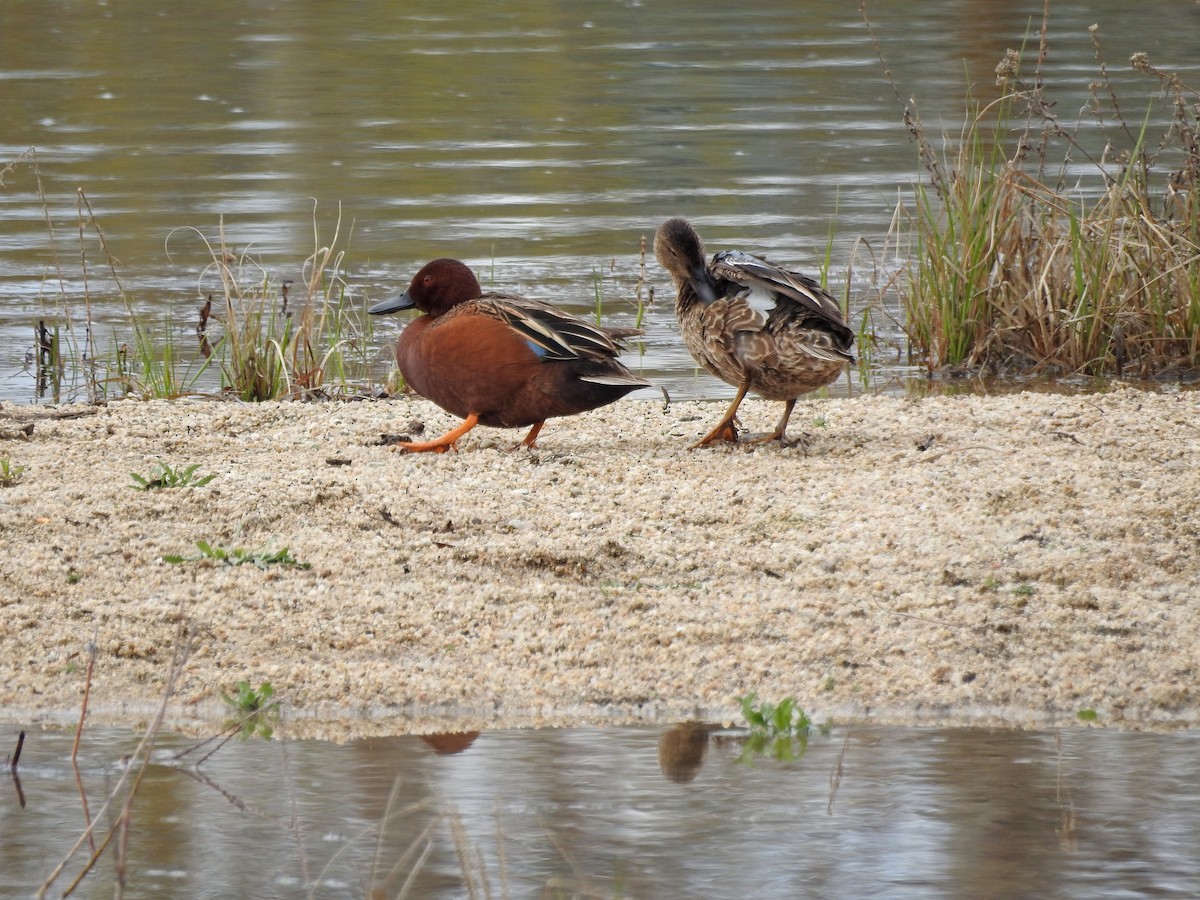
(538, 142)
(630, 812)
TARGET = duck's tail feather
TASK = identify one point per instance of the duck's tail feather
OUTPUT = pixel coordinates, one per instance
(616, 378)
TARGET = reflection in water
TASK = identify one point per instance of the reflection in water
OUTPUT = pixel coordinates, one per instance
(983, 31)
(451, 742)
(681, 750)
(643, 812)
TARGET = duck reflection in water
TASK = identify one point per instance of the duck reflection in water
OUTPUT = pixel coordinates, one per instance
(449, 743)
(681, 750)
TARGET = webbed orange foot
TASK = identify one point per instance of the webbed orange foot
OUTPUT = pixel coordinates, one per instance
(531, 438)
(447, 441)
(725, 431)
(423, 447)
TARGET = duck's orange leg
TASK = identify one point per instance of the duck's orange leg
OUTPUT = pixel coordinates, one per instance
(725, 430)
(446, 442)
(531, 438)
(780, 429)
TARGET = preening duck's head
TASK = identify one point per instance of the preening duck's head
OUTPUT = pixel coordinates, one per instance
(679, 250)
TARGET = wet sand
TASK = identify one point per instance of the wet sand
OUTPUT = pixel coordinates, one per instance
(1005, 560)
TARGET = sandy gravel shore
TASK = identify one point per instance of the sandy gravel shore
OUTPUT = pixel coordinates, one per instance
(971, 559)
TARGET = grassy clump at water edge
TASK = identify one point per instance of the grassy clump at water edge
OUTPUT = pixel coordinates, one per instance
(1035, 251)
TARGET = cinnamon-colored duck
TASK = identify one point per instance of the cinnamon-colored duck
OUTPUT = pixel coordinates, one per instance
(754, 325)
(499, 359)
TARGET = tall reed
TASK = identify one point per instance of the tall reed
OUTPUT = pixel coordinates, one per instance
(276, 339)
(1017, 264)
(261, 339)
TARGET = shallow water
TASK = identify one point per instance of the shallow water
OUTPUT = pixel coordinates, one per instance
(539, 144)
(638, 812)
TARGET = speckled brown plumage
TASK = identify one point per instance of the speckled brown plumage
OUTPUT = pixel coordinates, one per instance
(752, 324)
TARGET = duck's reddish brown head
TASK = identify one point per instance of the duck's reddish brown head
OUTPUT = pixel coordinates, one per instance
(439, 286)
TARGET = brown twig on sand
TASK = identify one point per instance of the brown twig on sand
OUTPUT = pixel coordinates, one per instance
(37, 415)
(24, 431)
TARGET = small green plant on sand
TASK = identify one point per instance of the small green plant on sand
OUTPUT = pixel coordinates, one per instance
(9, 474)
(779, 731)
(166, 477)
(237, 556)
(1087, 715)
(257, 711)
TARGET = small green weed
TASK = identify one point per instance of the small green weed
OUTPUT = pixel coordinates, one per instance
(259, 712)
(598, 290)
(640, 303)
(237, 556)
(642, 292)
(1024, 590)
(166, 477)
(1087, 715)
(9, 474)
(779, 731)
(248, 699)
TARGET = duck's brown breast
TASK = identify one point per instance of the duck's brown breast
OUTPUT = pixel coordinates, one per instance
(465, 363)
